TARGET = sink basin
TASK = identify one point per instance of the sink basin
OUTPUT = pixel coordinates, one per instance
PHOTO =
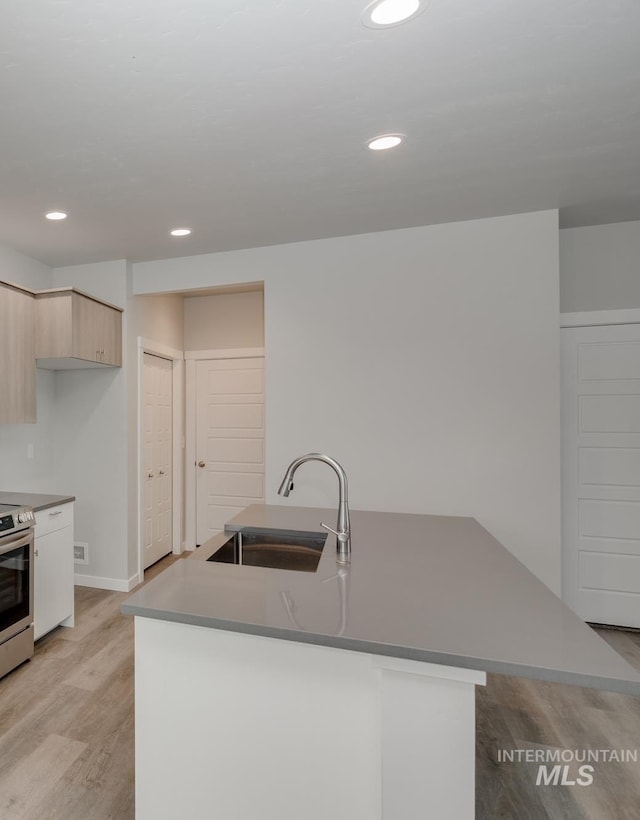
(274, 549)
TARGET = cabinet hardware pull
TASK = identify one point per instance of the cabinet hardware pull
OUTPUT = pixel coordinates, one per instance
(55, 512)
(161, 472)
(201, 464)
(149, 474)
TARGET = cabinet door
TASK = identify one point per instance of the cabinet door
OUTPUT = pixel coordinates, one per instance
(17, 357)
(53, 580)
(111, 336)
(53, 325)
(97, 331)
(87, 328)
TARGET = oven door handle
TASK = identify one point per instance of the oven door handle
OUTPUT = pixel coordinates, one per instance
(7, 545)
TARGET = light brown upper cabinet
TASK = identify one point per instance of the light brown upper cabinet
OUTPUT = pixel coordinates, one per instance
(74, 330)
(17, 356)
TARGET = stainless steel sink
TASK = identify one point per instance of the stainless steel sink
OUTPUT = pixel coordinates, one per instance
(274, 549)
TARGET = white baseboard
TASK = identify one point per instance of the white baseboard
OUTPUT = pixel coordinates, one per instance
(99, 582)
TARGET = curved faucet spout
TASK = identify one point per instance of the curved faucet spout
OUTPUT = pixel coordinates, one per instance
(343, 529)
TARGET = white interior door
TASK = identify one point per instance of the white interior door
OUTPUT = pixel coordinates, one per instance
(229, 440)
(157, 476)
(601, 473)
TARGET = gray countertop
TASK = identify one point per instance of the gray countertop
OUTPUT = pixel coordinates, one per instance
(36, 500)
(429, 588)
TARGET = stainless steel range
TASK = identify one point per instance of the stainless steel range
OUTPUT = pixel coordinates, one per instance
(16, 586)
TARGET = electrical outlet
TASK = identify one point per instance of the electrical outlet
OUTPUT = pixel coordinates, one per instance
(80, 553)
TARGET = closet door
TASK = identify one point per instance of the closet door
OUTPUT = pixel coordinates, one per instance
(229, 440)
(601, 472)
(158, 451)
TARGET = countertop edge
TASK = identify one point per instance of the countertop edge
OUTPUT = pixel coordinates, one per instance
(619, 685)
(67, 499)
(38, 501)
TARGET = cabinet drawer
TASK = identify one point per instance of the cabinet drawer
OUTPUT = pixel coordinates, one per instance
(53, 518)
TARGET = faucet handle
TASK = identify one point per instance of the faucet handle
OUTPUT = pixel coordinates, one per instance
(327, 527)
(341, 536)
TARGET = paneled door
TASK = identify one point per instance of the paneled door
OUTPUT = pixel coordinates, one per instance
(157, 477)
(601, 473)
(229, 440)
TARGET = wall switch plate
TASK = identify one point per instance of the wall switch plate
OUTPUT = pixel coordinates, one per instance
(80, 553)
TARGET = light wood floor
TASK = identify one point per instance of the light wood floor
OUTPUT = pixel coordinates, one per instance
(513, 713)
(66, 731)
(66, 718)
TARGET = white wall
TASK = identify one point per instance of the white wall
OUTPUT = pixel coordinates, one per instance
(223, 321)
(158, 318)
(600, 267)
(426, 360)
(90, 441)
(18, 472)
(23, 270)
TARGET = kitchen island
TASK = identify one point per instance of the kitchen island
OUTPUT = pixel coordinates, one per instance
(345, 692)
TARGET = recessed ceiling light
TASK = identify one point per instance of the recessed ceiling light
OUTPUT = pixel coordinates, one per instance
(180, 232)
(385, 141)
(385, 13)
(56, 215)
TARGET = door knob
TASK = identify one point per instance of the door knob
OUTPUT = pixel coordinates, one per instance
(201, 464)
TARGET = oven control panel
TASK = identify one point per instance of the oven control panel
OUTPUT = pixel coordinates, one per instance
(6, 523)
(19, 518)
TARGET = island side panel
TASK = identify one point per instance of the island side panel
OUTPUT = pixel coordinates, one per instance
(428, 740)
(244, 726)
(240, 726)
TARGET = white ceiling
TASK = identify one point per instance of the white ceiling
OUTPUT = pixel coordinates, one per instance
(246, 120)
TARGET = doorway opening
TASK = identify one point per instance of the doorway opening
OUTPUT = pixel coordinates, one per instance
(217, 387)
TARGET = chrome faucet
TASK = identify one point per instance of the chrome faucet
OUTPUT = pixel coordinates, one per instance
(343, 531)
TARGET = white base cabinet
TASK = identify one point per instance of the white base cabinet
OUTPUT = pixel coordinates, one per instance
(53, 575)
